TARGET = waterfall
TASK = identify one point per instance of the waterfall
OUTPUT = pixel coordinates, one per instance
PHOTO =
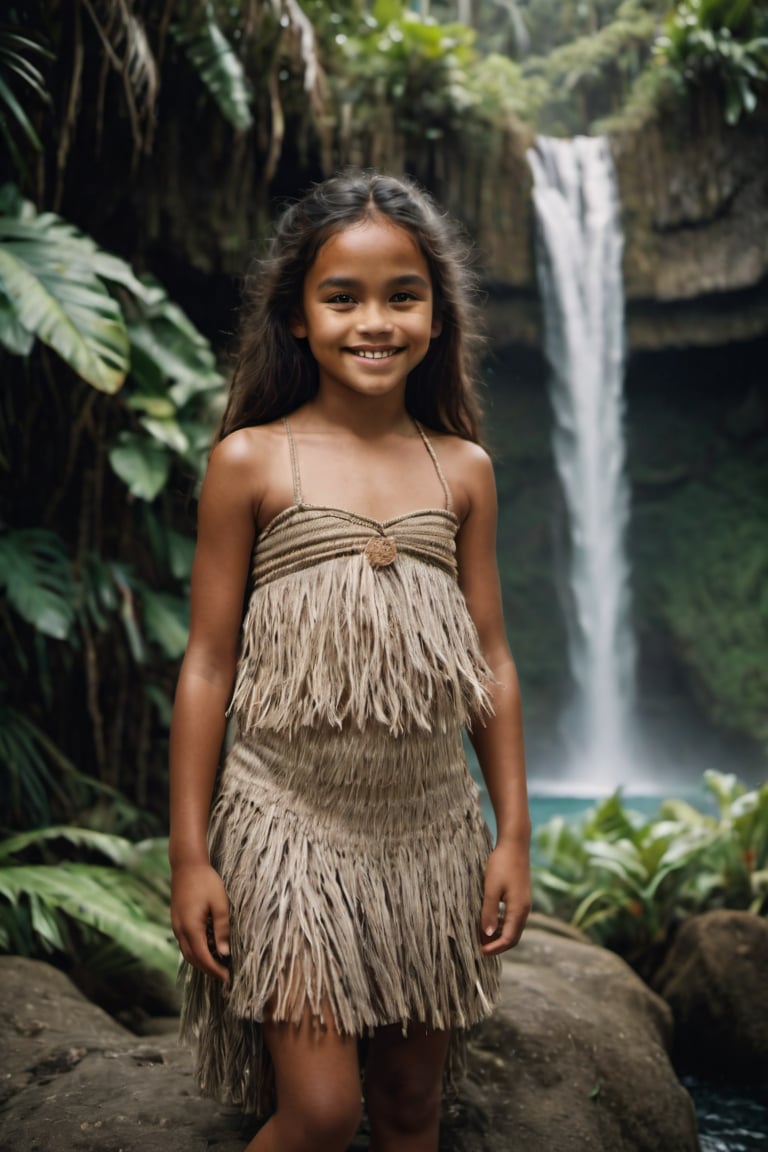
(578, 255)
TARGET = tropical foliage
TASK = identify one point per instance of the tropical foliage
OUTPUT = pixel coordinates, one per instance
(721, 40)
(20, 75)
(574, 66)
(628, 881)
(95, 902)
(77, 597)
(589, 78)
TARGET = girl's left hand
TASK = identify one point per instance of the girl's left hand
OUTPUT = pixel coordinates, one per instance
(507, 882)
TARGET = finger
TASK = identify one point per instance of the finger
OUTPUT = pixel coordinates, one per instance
(199, 955)
(510, 932)
(220, 922)
(490, 914)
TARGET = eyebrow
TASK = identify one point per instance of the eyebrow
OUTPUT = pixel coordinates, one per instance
(410, 279)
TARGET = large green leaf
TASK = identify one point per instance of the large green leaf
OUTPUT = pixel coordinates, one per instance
(116, 849)
(166, 619)
(13, 335)
(36, 576)
(49, 273)
(166, 349)
(143, 465)
(216, 63)
(166, 431)
(106, 900)
(181, 552)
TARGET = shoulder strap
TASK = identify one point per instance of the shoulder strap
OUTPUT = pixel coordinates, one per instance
(294, 464)
(438, 469)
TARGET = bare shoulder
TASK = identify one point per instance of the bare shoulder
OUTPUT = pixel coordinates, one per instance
(245, 449)
(240, 465)
(469, 472)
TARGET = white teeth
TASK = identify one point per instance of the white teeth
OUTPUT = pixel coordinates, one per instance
(375, 355)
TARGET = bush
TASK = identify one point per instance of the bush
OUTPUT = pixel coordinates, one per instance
(724, 40)
(627, 881)
(96, 905)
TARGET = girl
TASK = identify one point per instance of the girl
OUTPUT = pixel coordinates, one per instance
(350, 890)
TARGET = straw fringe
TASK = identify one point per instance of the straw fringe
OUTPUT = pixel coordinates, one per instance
(347, 829)
(372, 929)
(343, 642)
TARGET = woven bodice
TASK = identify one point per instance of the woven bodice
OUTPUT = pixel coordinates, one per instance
(352, 620)
(305, 535)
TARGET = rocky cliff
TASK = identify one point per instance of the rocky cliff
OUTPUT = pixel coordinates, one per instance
(694, 196)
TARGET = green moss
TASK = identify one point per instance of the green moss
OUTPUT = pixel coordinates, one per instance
(713, 592)
(698, 537)
(519, 423)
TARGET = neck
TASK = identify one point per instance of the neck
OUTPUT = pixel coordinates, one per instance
(362, 416)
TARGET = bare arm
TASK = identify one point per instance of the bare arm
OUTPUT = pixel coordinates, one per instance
(499, 742)
(219, 574)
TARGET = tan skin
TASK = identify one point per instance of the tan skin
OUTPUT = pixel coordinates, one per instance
(368, 291)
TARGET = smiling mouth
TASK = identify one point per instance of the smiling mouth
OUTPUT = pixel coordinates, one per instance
(375, 353)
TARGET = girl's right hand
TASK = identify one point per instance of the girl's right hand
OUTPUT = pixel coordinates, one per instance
(199, 906)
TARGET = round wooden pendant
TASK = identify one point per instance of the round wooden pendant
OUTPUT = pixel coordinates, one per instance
(380, 551)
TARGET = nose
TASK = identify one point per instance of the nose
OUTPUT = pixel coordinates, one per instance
(374, 317)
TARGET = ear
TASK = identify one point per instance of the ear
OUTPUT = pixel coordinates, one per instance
(437, 326)
(298, 328)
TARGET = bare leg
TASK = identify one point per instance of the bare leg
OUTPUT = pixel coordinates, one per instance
(403, 1081)
(317, 1081)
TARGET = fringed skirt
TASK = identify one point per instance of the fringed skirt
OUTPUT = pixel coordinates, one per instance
(354, 862)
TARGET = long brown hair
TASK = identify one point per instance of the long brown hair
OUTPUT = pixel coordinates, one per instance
(276, 372)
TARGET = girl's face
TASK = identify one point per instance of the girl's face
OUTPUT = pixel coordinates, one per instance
(367, 308)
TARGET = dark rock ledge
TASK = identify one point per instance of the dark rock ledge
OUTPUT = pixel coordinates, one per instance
(575, 1059)
(715, 980)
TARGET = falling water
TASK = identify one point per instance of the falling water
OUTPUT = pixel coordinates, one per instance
(579, 249)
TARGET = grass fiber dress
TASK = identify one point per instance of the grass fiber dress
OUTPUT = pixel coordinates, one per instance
(346, 827)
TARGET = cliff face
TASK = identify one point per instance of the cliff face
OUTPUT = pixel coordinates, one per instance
(694, 197)
(695, 206)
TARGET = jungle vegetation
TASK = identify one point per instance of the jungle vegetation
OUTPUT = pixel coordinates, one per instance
(628, 881)
(144, 146)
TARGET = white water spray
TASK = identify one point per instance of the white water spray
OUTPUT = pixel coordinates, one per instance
(579, 250)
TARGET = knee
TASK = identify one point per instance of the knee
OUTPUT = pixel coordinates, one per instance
(407, 1102)
(326, 1118)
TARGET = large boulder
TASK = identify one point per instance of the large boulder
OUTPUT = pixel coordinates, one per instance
(715, 979)
(73, 1080)
(574, 1059)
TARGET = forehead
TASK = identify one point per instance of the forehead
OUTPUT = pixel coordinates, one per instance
(376, 248)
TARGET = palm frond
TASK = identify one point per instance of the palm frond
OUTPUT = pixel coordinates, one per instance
(125, 41)
(18, 53)
(27, 758)
(212, 56)
(115, 849)
(106, 900)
